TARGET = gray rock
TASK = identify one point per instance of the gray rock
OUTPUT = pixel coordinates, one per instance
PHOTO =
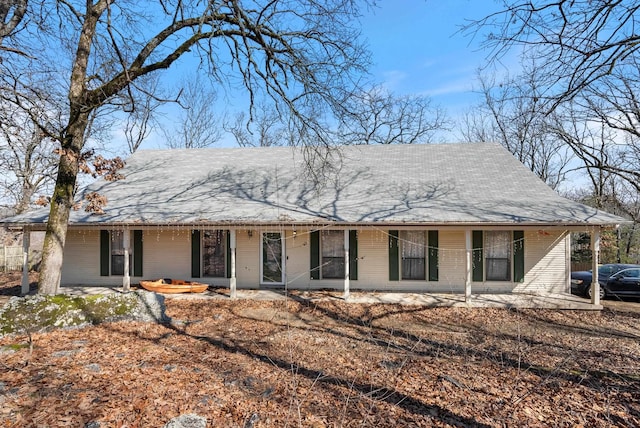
(187, 421)
(93, 367)
(41, 313)
(253, 419)
(150, 307)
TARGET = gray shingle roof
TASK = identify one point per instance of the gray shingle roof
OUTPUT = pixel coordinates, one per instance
(428, 184)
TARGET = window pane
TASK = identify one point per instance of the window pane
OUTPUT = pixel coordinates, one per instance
(213, 253)
(633, 273)
(333, 267)
(117, 265)
(332, 242)
(497, 247)
(413, 244)
(117, 253)
(413, 268)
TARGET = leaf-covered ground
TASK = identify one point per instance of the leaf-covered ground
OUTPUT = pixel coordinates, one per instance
(330, 364)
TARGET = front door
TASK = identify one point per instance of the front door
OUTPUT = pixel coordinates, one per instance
(272, 262)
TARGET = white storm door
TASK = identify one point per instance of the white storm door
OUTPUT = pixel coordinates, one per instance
(272, 258)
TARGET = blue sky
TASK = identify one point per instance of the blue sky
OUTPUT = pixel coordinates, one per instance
(417, 50)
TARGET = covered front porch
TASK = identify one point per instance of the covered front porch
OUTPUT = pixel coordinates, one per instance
(434, 300)
(461, 292)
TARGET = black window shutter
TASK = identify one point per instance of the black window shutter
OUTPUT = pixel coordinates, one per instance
(314, 238)
(228, 233)
(477, 256)
(137, 253)
(394, 265)
(353, 254)
(518, 256)
(433, 255)
(104, 252)
(195, 254)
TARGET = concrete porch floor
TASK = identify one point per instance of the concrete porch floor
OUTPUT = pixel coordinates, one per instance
(519, 301)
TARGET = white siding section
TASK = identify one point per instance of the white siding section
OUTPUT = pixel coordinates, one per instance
(452, 259)
(82, 260)
(545, 263)
(167, 254)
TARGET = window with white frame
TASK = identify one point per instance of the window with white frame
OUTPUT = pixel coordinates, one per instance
(413, 246)
(117, 253)
(497, 251)
(332, 243)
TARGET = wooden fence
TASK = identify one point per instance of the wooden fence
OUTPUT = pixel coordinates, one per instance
(11, 258)
(577, 266)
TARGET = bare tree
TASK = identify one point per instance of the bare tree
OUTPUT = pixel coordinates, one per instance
(27, 160)
(266, 128)
(510, 115)
(304, 55)
(141, 109)
(11, 14)
(578, 43)
(379, 117)
(371, 117)
(588, 54)
(198, 125)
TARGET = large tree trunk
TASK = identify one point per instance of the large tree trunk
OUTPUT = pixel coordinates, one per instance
(24, 203)
(61, 203)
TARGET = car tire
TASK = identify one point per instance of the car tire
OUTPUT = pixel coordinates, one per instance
(603, 292)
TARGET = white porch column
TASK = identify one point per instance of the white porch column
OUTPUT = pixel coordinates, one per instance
(232, 250)
(126, 242)
(595, 259)
(26, 238)
(346, 264)
(468, 265)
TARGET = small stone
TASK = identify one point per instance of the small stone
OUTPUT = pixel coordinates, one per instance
(390, 365)
(252, 420)
(93, 367)
(59, 354)
(230, 382)
(249, 382)
(187, 421)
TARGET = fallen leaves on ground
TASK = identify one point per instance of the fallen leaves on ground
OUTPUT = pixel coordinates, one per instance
(330, 364)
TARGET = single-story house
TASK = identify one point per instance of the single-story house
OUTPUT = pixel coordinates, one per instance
(459, 218)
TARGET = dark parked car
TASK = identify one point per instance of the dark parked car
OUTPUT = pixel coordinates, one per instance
(614, 279)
